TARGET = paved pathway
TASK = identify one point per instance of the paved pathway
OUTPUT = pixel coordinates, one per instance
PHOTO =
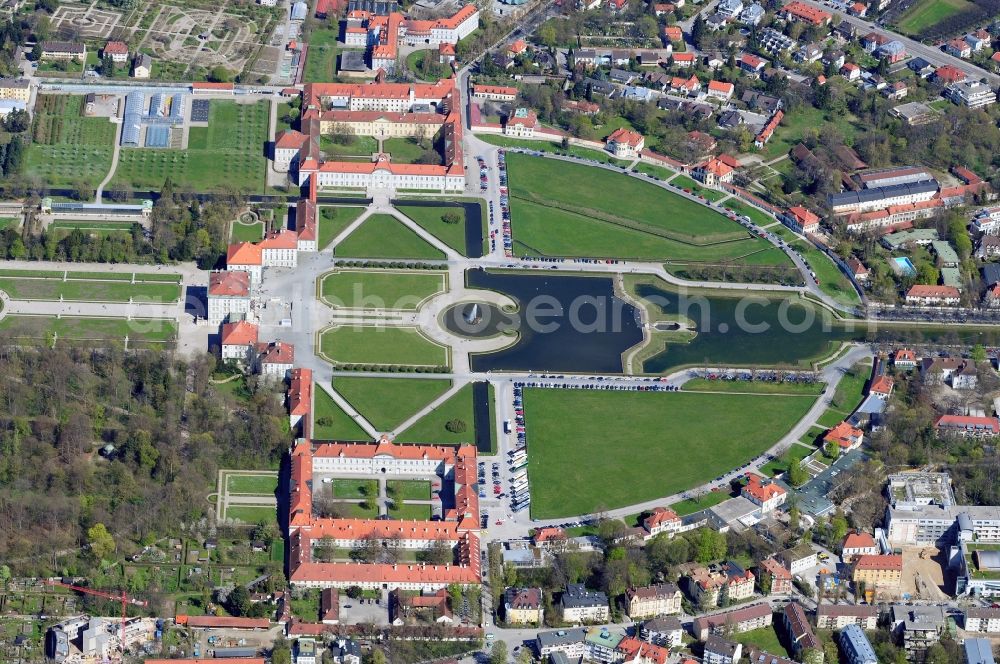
(346, 406)
(114, 160)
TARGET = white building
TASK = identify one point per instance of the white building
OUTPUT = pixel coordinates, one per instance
(228, 296)
(246, 257)
(580, 605)
(239, 341)
(275, 360)
(280, 249)
(971, 94)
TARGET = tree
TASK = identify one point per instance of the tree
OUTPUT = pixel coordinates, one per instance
(547, 35)
(375, 656)
(499, 653)
(455, 426)
(220, 75)
(102, 544)
(354, 592)
(238, 602)
(281, 652)
(831, 450)
(451, 217)
(978, 354)
(797, 475)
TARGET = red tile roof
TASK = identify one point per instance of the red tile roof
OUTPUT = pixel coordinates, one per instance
(881, 385)
(804, 216)
(927, 290)
(244, 253)
(682, 57)
(276, 352)
(549, 534)
(659, 516)
(204, 85)
(648, 653)
(494, 90)
(949, 74)
(223, 622)
(859, 541)
(761, 491)
(626, 136)
(889, 562)
(844, 435)
(967, 422)
(116, 48)
(229, 283)
(283, 239)
(290, 140)
(721, 86)
(300, 392)
(239, 333)
(804, 12)
(904, 355)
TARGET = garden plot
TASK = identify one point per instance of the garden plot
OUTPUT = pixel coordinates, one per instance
(85, 21)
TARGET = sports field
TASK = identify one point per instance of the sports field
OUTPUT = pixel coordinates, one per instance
(67, 148)
(431, 428)
(228, 153)
(562, 209)
(925, 14)
(333, 220)
(586, 456)
(388, 402)
(45, 329)
(389, 289)
(330, 422)
(384, 236)
(367, 344)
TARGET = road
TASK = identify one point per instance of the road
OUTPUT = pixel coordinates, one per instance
(931, 54)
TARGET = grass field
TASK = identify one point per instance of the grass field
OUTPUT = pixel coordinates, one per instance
(431, 427)
(765, 637)
(384, 236)
(548, 146)
(228, 153)
(252, 513)
(755, 387)
(259, 485)
(850, 391)
(925, 14)
(8, 222)
(692, 505)
(333, 220)
(367, 344)
(321, 59)
(330, 422)
(355, 488)
(387, 402)
(403, 150)
(409, 511)
(562, 210)
(429, 218)
(663, 432)
(38, 329)
(357, 289)
(408, 489)
(693, 186)
(832, 281)
(68, 148)
(247, 232)
(91, 227)
(80, 290)
(791, 456)
(756, 216)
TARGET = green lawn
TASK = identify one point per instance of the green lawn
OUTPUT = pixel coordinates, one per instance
(260, 485)
(694, 187)
(430, 219)
(9, 222)
(403, 150)
(756, 216)
(674, 449)
(68, 148)
(330, 422)
(408, 489)
(90, 226)
(795, 124)
(138, 330)
(81, 290)
(252, 513)
(387, 402)
(321, 59)
(832, 281)
(791, 456)
(383, 289)
(384, 236)
(553, 147)
(925, 14)
(434, 71)
(656, 171)
(247, 232)
(432, 427)
(229, 153)
(692, 505)
(333, 220)
(757, 387)
(362, 147)
(355, 488)
(368, 344)
(409, 511)
(765, 638)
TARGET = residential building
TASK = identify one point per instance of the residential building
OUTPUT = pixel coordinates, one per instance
(799, 558)
(856, 647)
(858, 269)
(664, 631)
(958, 372)
(299, 398)
(345, 651)
(755, 655)
(958, 48)
(879, 572)
(660, 599)
(117, 51)
(305, 651)
(858, 544)
(683, 60)
(930, 295)
(523, 606)
(661, 520)
(839, 616)
(720, 90)
(799, 631)
(803, 220)
(971, 94)
(63, 50)
(569, 642)
(521, 124)
(730, 8)
(967, 426)
(978, 651)
(580, 605)
(228, 296)
(238, 341)
(764, 492)
(15, 89)
(329, 606)
(720, 651)
(982, 619)
(753, 14)
(601, 645)
(765, 134)
(751, 64)
(801, 12)
(736, 621)
(904, 358)
(845, 436)
(494, 93)
(918, 627)
(625, 144)
(713, 172)
(850, 71)
(707, 584)
(633, 651)
(773, 575)
(275, 360)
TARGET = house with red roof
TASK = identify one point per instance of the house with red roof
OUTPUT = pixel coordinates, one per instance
(764, 493)
(720, 90)
(858, 9)
(275, 359)
(804, 220)
(517, 47)
(713, 172)
(682, 60)
(299, 400)
(673, 33)
(803, 13)
(246, 257)
(931, 295)
(446, 53)
(771, 573)
(238, 341)
(858, 270)
(751, 64)
(522, 123)
(549, 536)
(661, 520)
(768, 131)
(882, 386)
(878, 572)
(634, 651)
(625, 143)
(850, 71)
(904, 358)
(617, 5)
(857, 544)
(846, 437)
(947, 74)
(967, 426)
(117, 51)
(228, 296)
(958, 48)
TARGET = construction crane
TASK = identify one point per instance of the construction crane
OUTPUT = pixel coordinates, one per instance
(123, 598)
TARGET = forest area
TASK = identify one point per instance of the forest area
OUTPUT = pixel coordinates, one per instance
(69, 503)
